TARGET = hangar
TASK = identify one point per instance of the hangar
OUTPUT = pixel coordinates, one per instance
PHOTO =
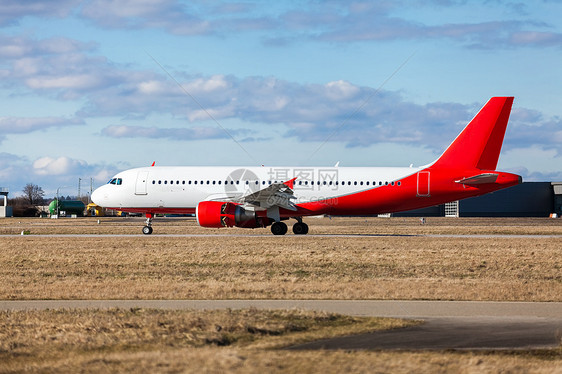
(529, 199)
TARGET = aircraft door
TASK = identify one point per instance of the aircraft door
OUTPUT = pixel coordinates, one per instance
(142, 180)
(423, 184)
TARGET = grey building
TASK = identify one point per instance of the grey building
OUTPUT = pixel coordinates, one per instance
(529, 199)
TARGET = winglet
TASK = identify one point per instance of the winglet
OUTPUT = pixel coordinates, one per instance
(290, 183)
(153, 162)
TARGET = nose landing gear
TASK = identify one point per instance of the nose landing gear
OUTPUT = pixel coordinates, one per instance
(147, 230)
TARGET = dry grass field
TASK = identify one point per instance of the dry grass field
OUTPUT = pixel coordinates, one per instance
(378, 259)
(392, 262)
(241, 341)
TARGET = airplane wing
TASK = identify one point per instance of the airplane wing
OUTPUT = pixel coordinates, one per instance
(277, 194)
(479, 179)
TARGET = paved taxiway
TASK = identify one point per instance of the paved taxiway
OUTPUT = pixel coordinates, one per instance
(448, 324)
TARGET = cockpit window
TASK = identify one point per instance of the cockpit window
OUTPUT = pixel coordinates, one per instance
(117, 181)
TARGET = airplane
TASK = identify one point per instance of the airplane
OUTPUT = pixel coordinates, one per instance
(253, 197)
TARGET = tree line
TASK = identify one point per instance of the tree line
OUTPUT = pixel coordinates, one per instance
(32, 198)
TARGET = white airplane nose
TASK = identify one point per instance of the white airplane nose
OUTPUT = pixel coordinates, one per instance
(97, 196)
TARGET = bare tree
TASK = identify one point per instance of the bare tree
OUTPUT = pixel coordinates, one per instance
(33, 194)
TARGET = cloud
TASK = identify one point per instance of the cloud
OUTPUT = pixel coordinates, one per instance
(23, 125)
(54, 172)
(171, 15)
(10, 166)
(333, 21)
(360, 22)
(529, 127)
(192, 133)
(56, 166)
(59, 67)
(335, 111)
(14, 10)
(51, 173)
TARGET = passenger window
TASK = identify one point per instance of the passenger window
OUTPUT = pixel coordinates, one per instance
(159, 182)
(165, 182)
(399, 183)
(194, 182)
(361, 183)
(355, 183)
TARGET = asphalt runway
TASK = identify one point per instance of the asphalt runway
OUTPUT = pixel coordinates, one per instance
(448, 324)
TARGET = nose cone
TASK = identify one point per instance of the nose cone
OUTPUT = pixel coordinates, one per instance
(98, 196)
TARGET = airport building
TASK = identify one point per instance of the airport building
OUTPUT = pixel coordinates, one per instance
(529, 199)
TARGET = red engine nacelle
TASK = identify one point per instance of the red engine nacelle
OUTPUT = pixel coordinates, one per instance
(223, 214)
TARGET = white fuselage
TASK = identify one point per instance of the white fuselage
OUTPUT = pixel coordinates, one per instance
(184, 187)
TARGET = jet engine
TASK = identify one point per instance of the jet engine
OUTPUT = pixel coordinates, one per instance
(223, 214)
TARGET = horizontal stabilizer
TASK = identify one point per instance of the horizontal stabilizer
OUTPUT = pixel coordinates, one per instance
(479, 179)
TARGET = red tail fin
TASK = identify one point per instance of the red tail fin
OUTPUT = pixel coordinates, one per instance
(479, 144)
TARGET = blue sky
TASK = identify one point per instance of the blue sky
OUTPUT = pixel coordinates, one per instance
(89, 88)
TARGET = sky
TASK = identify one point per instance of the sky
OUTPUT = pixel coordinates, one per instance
(90, 88)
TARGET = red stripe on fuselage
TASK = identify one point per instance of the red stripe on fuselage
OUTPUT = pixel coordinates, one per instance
(397, 198)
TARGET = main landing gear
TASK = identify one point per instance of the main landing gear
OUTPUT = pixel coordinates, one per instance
(147, 230)
(280, 228)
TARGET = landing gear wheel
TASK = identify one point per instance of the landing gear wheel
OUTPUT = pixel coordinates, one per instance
(147, 230)
(279, 228)
(300, 228)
